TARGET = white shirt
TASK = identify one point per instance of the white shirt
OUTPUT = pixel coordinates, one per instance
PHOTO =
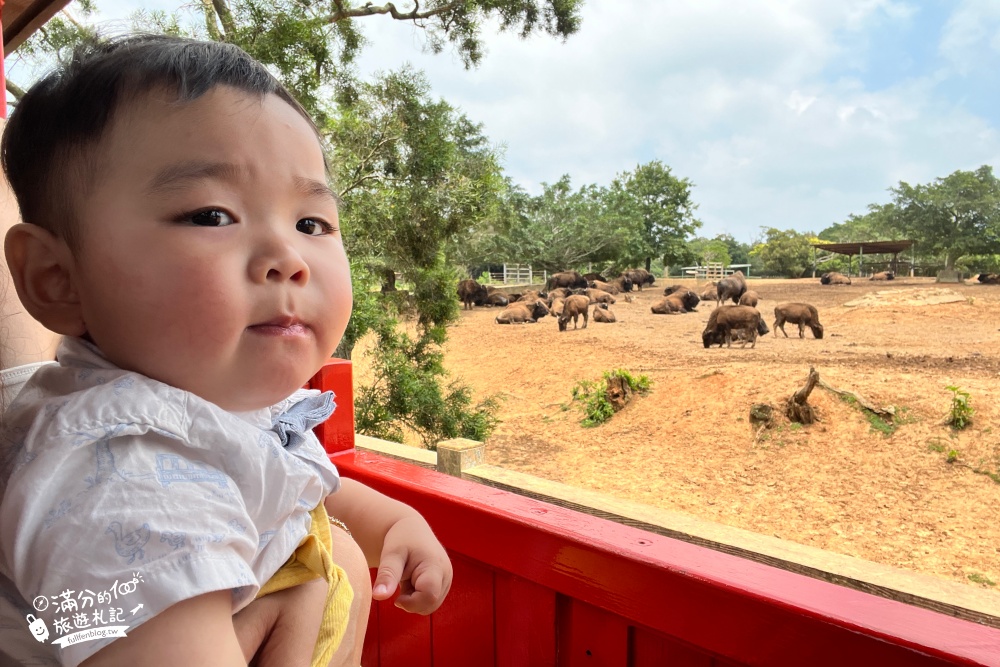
(122, 496)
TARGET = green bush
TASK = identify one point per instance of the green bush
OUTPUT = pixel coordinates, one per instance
(593, 395)
(961, 412)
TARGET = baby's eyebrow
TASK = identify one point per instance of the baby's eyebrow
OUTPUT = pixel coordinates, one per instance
(180, 174)
(315, 189)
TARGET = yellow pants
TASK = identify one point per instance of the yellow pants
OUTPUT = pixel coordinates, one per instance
(313, 560)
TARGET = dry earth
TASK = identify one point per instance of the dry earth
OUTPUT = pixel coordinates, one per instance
(688, 445)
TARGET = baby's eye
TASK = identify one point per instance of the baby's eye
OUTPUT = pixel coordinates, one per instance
(314, 227)
(211, 218)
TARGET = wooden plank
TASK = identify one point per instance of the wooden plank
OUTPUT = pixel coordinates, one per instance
(590, 637)
(651, 649)
(462, 629)
(405, 638)
(370, 652)
(949, 597)
(21, 18)
(336, 433)
(741, 611)
(525, 622)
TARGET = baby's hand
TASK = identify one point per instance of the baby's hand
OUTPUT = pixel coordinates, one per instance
(415, 561)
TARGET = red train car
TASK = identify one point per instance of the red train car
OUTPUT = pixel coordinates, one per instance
(537, 584)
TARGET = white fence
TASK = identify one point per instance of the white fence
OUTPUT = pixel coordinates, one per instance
(714, 271)
(519, 274)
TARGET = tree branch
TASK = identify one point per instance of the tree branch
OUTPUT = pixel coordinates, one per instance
(225, 16)
(211, 23)
(389, 8)
(15, 90)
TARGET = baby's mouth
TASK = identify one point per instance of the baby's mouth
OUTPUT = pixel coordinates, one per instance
(280, 326)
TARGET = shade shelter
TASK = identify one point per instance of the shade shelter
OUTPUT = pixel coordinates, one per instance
(867, 247)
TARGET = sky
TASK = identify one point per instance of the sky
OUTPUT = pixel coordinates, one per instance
(791, 114)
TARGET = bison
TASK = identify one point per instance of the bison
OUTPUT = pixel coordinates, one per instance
(574, 306)
(803, 314)
(883, 275)
(731, 287)
(471, 293)
(603, 314)
(988, 279)
(749, 298)
(639, 277)
(497, 298)
(523, 312)
(725, 321)
(834, 278)
(532, 295)
(667, 305)
(566, 279)
(599, 296)
(709, 292)
(590, 277)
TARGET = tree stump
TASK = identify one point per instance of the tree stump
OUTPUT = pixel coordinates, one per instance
(618, 393)
(761, 415)
(797, 409)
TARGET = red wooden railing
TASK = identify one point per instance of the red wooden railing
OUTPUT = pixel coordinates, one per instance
(538, 584)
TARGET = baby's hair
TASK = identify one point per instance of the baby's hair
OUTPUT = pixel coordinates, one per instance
(50, 147)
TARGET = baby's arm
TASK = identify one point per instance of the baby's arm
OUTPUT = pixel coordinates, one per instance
(196, 631)
(397, 540)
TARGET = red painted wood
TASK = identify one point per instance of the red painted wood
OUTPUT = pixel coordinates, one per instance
(651, 649)
(525, 622)
(743, 611)
(404, 638)
(337, 432)
(462, 629)
(370, 651)
(590, 637)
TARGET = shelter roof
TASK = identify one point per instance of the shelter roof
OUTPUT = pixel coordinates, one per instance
(23, 17)
(866, 247)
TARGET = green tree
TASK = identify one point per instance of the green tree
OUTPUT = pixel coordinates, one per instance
(662, 205)
(710, 250)
(784, 252)
(952, 217)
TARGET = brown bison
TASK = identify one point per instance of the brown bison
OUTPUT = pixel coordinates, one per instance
(566, 279)
(727, 321)
(883, 275)
(497, 298)
(709, 292)
(574, 306)
(834, 278)
(667, 306)
(472, 293)
(731, 287)
(803, 314)
(599, 296)
(749, 298)
(532, 295)
(988, 279)
(523, 312)
(603, 314)
(639, 277)
(590, 277)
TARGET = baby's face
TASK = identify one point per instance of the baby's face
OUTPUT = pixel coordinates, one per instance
(211, 257)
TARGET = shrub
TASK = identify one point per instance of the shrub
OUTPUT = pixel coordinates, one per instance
(961, 411)
(593, 395)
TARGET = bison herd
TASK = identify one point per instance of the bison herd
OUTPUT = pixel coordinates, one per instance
(569, 295)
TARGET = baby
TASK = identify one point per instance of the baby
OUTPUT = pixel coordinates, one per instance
(180, 233)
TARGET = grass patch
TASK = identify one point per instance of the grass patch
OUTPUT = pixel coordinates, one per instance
(981, 579)
(593, 395)
(960, 414)
(879, 423)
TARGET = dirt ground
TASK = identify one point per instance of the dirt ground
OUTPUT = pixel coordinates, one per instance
(688, 444)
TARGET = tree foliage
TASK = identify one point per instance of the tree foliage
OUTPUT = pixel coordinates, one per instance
(952, 217)
(663, 207)
(784, 252)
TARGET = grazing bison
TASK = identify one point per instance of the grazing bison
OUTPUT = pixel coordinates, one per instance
(574, 306)
(556, 306)
(603, 314)
(725, 321)
(803, 314)
(834, 278)
(523, 312)
(749, 298)
(988, 279)
(639, 277)
(472, 293)
(731, 287)
(566, 279)
(883, 275)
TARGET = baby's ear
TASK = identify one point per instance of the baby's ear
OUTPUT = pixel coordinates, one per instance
(41, 266)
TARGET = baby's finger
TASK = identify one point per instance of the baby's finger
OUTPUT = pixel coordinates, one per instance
(419, 602)
(390, 571)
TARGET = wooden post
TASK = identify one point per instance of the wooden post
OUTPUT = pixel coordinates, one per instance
(459, 454)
